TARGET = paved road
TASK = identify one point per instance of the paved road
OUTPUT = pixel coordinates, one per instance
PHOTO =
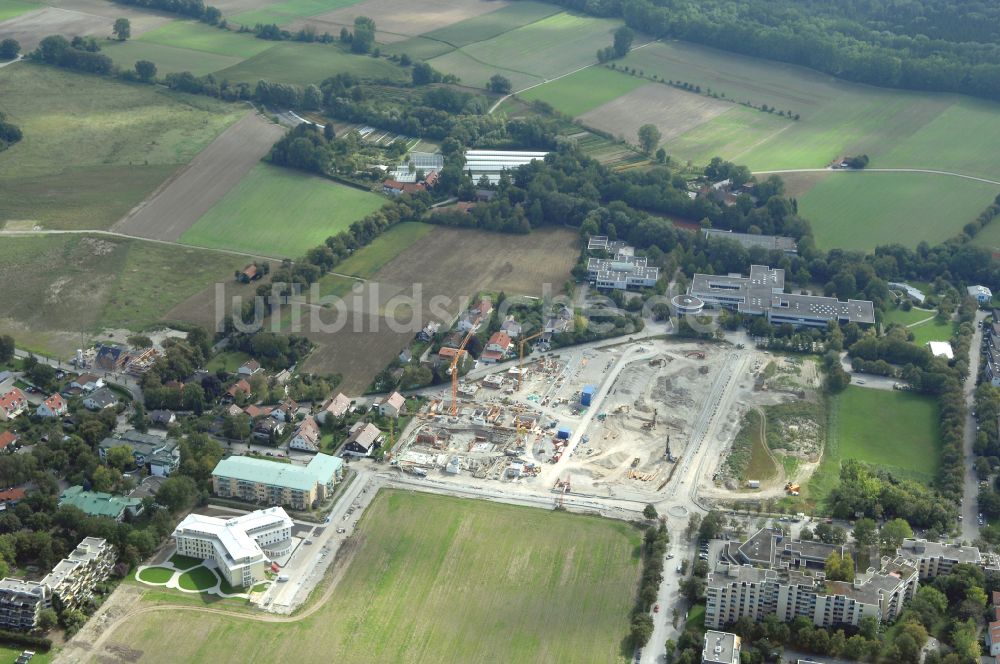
(878, 170)
(970, 505)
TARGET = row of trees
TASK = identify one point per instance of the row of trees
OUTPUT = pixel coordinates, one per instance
(193, 8)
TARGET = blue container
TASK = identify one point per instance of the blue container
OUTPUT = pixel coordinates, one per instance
(587, 395)
(563, 433)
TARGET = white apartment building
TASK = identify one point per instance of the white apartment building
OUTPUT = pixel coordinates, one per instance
(241, 547)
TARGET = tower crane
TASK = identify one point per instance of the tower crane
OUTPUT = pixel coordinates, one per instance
(520, 355)
(453, 369)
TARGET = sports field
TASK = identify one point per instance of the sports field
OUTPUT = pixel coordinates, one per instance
(94, 147)
(547, 48)
(300, 64)
(437, 579)
(585, 90)
(280, 212)
(73, 285)
(896, 128)
(867, 209)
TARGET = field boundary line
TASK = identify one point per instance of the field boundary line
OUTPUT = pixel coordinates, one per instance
(928, 171)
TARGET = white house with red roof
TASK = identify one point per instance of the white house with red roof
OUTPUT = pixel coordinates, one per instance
(54, 406)
(12, 404)
(497, 347)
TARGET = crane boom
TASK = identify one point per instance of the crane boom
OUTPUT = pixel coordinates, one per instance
(520, 355)
(453, 369)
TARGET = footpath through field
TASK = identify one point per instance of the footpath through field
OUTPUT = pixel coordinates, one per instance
(878, 170)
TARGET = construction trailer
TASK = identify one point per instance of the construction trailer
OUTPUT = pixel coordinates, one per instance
(563, 433)
(587, 395)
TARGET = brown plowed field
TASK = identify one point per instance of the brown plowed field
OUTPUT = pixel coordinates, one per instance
(673, 112)
(397, 21)
(182, 200)
(450, 262)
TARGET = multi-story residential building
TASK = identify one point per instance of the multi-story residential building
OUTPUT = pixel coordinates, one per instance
(267, 482)
(624, 270)
(21, 602)
(242, 547)
(160, 456)
(762, 294)
(934, 558)
(73, 578)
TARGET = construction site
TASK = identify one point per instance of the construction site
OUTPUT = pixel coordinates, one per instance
(620, 420)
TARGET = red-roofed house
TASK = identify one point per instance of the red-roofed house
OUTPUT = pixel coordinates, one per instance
(12, 497)
(12, 404)
(54, 406)
(396, 188)
(993, 638)
(6, 440)
(249, 273)
(239, 387)
(496, 348)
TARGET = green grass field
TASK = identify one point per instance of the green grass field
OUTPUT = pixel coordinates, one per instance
(198, 36)
(438, 579)
(93, 147)
(74, 285)
(155, 575)
(197, 578)
(932, 331)
(168, 59)
(280, 212)
(910, 317)
(184, 562)
(228, 361)
(988, 237)
(12, 8)
(896, 128)
(585, 90)
(10, 654)
(300, 64)
(370, 259)
(864, 210)
(544, 49)
(280, 13)
(479, 28)
(896, 430)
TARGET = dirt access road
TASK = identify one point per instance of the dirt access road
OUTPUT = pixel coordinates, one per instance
(192, 191)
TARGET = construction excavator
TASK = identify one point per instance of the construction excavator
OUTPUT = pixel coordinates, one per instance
(520, 355)
(453, 369)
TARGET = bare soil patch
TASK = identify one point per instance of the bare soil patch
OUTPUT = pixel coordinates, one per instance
(182, 200)
(72, 18)
(797, 184)
(673, 111)
(398, 21)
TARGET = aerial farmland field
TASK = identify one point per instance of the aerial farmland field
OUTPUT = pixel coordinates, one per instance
(280, 212)
(168, 59)
(94, 147)
(584, 91)
(437, 579)
(198, 36)
(12, 8)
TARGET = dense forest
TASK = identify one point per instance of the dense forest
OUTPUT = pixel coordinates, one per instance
(941, 45)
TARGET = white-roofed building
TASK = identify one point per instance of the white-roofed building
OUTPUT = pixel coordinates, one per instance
(982, 294)
(241, 547)
(492, 163)
(941, 349)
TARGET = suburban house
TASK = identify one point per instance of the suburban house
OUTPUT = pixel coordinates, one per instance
(397, 188)
(162, 418)
(511, 327)
(992, 636)
(87, 382)
(12, 404)
(268, 428)
(497, 347)
(982, 294)
(363, 440)
(254, 411)
(249, 368)
(285, 411)
(54, 406)
(11, 497)
(262, 481)
(7, 438)
(393, 405)
(338, 406)
(241, 547)
(405, 356)
(428, 331)
(97, 503)
(239, 387)
(306, 436)
(100, 399)
(160, 456)
(111, 358)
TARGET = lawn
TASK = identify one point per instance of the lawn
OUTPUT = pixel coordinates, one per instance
(439, 579)
(910, 317)
(300, 64)
(370, 259)
(184, 562)
(11, 653)
(94, 147)
(932, 331)
(888, 428)
(280, 212)
(896, 128)
(283, 12)
(12, 8)
(198, 578)
(989, 237)
(585, 90)
(198, 36)
(228, 361)
(156, 575)
(168, 59)
(547, 48)
(74, 285)
(864, 210)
